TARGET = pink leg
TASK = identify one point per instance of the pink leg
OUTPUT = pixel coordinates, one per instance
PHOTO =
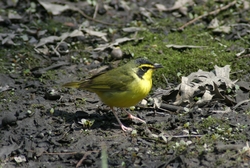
(134, 117)
(124, 128)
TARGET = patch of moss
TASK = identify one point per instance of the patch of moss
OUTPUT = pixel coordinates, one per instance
(51, 75)
(184, 61)
(218, 129)
(80, 102)
(18, 59)
(38, 106)
(7, 98)
(53, 27)
(209, 122)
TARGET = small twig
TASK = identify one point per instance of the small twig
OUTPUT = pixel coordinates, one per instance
(240, 24)
(84, 157)
(173, 108)
(92, 19)
(59, 153)
(215, 12)
(184, 136)
(55, 50)
(240, 103)
(227, 110)
(89, 18)
(238, 34)
(170, 136)
(95, 13)
(73, 153)
(166, 80)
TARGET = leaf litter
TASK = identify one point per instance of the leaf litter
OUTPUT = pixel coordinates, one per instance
(205, 84)
(70, 131)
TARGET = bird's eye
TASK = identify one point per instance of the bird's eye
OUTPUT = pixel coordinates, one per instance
(144, 68)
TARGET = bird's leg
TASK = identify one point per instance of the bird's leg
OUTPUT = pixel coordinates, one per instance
(124, 128)
(134, 117)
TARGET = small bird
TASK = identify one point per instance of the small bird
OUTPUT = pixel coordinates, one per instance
(121, 87)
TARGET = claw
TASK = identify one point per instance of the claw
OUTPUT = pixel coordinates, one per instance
(135, 118)
(124, 128)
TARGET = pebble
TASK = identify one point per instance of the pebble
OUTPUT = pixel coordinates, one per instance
(9, 119)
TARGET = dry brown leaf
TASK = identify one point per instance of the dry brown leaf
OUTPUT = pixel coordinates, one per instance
(96, 33)
(52, 39)
(55, 9)
(181, 5)
(215, 26)
(115, 43)
(207, 84)
(161, 7)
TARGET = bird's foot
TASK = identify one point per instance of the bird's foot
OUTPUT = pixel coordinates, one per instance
(135, 118)
(124, 128)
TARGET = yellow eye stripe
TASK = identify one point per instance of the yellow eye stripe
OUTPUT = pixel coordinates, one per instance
(146, 66)
(143, 69)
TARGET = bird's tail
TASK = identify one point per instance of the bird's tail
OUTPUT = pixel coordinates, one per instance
(72, 85)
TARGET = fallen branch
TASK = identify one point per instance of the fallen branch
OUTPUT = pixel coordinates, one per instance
(215, 12)
(85, 154)
(93, 19)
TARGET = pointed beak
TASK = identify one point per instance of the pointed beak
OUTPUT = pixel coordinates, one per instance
(156, 66)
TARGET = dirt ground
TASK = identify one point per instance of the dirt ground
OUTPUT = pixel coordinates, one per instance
(45, 125)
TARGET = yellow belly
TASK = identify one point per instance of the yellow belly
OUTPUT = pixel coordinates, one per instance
(138, 90)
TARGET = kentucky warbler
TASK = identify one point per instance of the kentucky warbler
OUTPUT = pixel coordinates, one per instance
(121, 87)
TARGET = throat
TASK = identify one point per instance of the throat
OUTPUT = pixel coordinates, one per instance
(140, 73)
(143, 87)
(145, 75)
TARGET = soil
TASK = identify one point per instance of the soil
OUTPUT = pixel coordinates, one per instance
(45, 125)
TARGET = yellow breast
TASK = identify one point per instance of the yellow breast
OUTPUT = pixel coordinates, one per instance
(137, 90)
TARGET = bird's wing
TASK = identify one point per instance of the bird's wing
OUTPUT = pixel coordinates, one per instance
(117, 80)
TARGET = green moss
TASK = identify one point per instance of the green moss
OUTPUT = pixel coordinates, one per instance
(50, 75)
(80, 102)
(17, 59)
(185, 61)
(209, 122)
(218, 129)
(53, 27)
(38, 106)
